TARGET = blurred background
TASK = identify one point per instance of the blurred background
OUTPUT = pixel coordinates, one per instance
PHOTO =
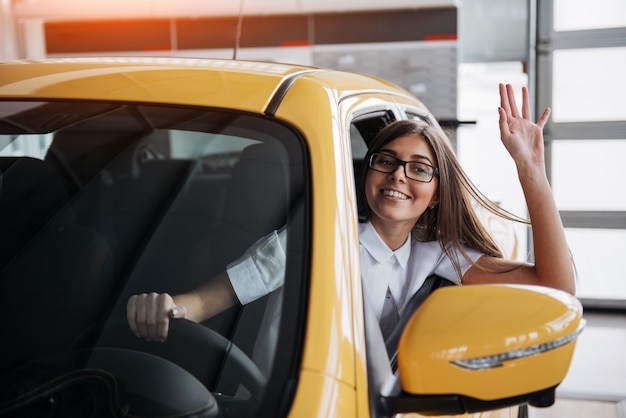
(571, 54)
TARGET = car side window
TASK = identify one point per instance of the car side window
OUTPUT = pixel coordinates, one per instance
(365, 126)
(363, 129)
(415, 115)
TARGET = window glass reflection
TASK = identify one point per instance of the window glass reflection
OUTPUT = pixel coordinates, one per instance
(100, 201)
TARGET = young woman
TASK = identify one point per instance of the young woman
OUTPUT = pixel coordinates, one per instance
(418, 220)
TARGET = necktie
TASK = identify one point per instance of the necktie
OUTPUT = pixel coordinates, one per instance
(389, 316)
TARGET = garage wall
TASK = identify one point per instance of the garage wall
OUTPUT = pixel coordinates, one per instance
(415, 48)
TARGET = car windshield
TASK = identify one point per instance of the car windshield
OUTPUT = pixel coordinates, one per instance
(103, 200)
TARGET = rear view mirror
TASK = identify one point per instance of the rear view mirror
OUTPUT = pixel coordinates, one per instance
(482, 347)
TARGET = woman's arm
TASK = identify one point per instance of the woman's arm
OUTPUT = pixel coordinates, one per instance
(149, 314)
(259, 271)
(553, 265)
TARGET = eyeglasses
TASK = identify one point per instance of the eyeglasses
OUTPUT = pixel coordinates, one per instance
(413, 170)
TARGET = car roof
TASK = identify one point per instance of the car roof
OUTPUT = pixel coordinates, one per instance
(242, 85)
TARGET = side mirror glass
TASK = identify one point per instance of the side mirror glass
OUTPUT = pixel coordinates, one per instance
(481, 347)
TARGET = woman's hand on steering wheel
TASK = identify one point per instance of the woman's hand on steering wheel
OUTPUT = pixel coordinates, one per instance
(149, 315)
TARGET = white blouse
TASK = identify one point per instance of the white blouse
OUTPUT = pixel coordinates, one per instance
(261, 269)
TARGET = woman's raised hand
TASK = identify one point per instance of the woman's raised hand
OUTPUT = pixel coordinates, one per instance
(522, 137)
(149, 315)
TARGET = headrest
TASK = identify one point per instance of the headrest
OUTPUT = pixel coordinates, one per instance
(258, 193)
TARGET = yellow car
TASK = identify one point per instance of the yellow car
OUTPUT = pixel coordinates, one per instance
(123, 176)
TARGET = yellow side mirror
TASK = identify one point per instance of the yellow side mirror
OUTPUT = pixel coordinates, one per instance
(489, 343)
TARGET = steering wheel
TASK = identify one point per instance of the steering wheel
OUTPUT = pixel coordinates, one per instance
(210, 357)
(151, 378)
(104, 382)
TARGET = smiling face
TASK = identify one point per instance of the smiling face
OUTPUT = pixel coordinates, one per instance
(395, 200)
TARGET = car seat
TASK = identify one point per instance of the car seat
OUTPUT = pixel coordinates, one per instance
(255, 204)
(258, 201)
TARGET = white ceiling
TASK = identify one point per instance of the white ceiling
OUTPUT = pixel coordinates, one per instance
(115, 9)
